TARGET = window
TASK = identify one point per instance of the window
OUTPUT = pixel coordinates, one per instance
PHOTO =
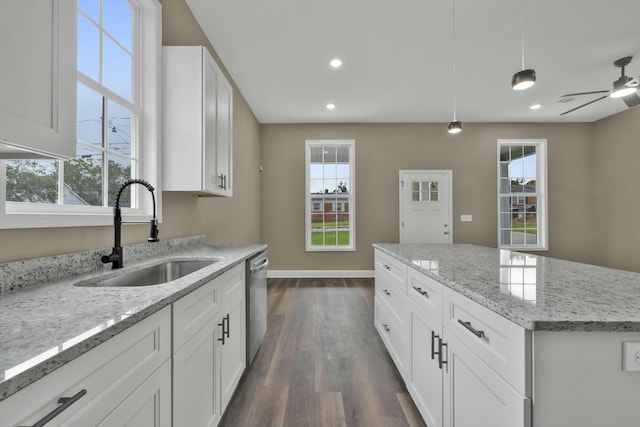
(424, 191)
(330, 184)
(118, 60)
(522, 194)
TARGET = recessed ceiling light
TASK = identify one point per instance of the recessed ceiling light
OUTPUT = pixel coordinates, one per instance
(535, 106)
(335, 63)
(331, 106)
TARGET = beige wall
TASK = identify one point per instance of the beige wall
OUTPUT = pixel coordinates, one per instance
(616, 190)
(383, 149)
(223, 220)
(593, 200)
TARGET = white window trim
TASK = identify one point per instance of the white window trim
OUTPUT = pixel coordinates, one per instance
(542, 208)
(34, 215)
(352, 195)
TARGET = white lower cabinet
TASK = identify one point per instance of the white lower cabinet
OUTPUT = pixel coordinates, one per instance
(233, 353)
(475, 395)
(126, 377)
(195, 379)
(425, 384)
(465, 366)
(210, 363)
(148, 406)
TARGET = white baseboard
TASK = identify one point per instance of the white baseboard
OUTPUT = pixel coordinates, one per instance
(320, 274)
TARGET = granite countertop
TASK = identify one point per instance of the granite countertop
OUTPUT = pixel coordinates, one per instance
(47, 324)
(536, 292)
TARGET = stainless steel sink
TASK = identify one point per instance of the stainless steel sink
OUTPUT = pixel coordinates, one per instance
(154, 275)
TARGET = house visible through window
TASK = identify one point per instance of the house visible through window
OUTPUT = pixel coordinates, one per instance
(330, 208)
(522, 221)
(110, 101)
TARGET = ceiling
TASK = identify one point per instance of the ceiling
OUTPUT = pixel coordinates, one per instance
(398, 57)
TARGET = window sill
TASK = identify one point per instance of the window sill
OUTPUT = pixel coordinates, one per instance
(38, 220)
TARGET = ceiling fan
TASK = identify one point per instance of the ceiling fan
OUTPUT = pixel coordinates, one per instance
(625, 88)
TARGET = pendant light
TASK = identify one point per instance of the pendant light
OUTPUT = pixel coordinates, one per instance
(454, 126)
(525, 78)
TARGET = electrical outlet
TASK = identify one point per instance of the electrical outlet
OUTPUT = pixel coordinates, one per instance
(630, 356)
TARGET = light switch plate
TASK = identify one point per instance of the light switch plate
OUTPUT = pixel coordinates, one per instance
(630, 356)
(466, 218)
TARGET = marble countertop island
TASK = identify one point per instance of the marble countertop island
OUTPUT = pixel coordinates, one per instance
(47, 321)
(536, 292)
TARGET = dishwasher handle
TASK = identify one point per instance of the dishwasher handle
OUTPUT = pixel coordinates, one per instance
(263, 265)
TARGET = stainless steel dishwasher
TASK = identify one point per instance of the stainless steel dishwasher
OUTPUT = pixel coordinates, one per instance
(256, 303)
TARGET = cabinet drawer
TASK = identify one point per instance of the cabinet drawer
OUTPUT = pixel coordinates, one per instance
(108, 373)
(426, 292)
(392, 330)
(393, 298)
(390, 270)
(193, 311)
(497, 341)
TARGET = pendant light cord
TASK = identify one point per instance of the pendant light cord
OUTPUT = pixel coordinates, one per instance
(522, 28)
(454, 58)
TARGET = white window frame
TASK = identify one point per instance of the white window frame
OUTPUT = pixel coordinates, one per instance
(541, 193)
(148, 78)
(351, 144)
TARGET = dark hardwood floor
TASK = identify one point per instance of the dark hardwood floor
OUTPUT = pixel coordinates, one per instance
(322, 363)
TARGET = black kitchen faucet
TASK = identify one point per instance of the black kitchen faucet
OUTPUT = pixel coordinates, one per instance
(116, 258)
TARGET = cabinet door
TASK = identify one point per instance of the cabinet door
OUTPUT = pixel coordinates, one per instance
(425, 385)
(210, 178)
(38, 84)
(224, 135)
(233, 352)
(196, 382)
(148, 406)
(474, 395)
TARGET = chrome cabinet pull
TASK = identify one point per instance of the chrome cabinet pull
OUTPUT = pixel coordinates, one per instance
(224, 321)
(64, 402)
(421, 291)
(433, 347)
(386, 267)
(386, 328)
(386, 292)
(228, 325)
(467, 325)
(440, 353)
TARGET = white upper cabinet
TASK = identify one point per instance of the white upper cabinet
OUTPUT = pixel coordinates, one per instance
(38, 79)
(197, 123)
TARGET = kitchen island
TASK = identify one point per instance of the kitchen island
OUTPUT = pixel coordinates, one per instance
(494, 337)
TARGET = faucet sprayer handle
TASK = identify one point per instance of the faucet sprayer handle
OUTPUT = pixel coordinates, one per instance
(153, 234)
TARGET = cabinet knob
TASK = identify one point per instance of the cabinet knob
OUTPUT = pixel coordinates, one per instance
(386, 292)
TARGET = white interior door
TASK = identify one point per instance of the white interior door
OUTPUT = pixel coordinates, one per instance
(425, 206)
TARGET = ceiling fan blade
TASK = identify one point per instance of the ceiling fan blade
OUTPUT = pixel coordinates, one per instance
(631, 100)
(583, 105)
(585, 93)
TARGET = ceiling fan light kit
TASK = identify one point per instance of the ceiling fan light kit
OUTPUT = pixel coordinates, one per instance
(620, 88)
(523, 79)
(624, 88)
